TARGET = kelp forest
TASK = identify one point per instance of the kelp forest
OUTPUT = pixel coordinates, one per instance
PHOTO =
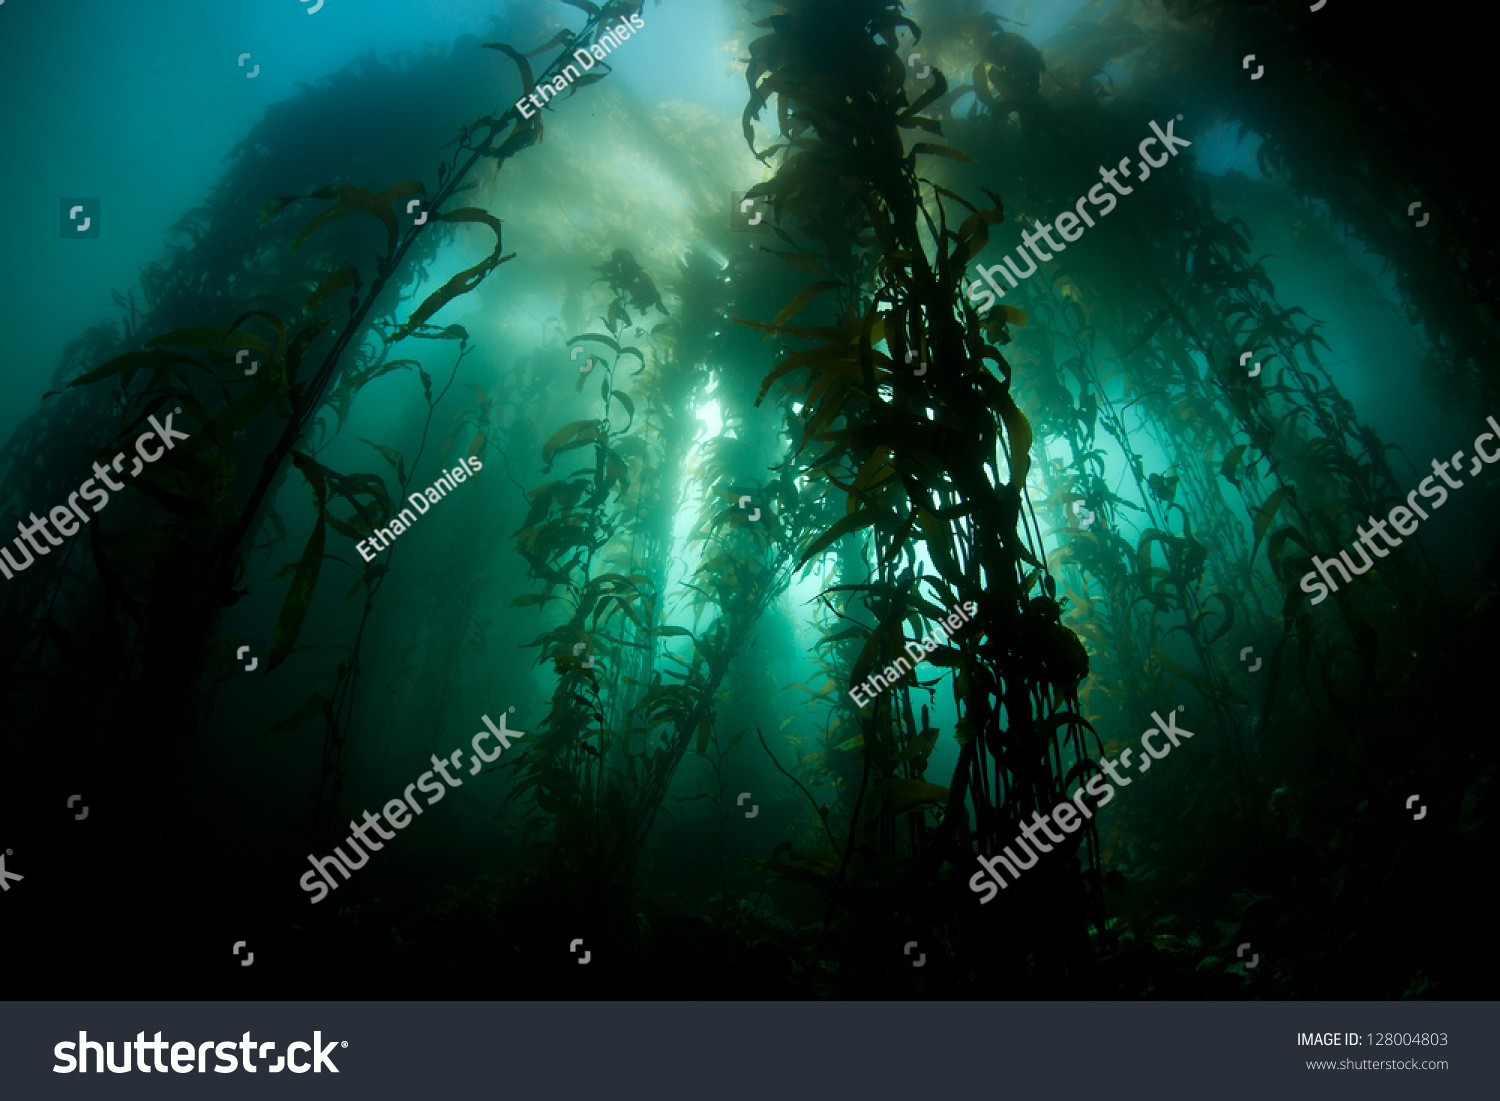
(685, 450)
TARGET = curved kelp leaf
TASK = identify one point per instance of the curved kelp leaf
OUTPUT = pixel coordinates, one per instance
(1264, 515)
(806, 295)
(601, 338)
(528, 82)
(847, 524)
(305, 578)
(392, 456)
(131, 362)
(629, 404)
(904, 796)
(344, 277)
(464, 281)
(568, 437)
(1018, 433)
(1231, 466)
(211, 339)
(1228, 624)
(939, 151)
(351, 198)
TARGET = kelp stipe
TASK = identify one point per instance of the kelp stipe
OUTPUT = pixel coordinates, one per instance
(935, 462)
(214, 492)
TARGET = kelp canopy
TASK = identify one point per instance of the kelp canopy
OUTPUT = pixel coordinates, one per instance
(728, 474)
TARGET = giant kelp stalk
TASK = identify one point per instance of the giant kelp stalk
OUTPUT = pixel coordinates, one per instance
(594, 776)
(565, 771)
(1192, 303)
(1139, 329)
(167, 590)
(933, 463)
